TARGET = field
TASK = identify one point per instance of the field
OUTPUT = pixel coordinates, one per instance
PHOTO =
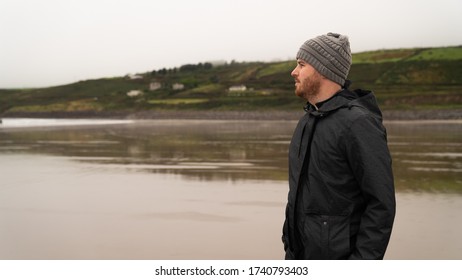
(402, 79)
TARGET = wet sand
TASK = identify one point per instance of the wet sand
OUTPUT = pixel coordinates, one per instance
(165, 189)
(57, 208)
(449, 114)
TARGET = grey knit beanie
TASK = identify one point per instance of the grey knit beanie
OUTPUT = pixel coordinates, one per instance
(329, 54)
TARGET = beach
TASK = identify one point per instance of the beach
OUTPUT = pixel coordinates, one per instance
(449, 114)
(197, 189)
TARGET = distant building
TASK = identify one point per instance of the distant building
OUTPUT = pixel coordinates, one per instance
(238, 88)
(155, 86)
(134, 93)
(177, 86)
(134, 77)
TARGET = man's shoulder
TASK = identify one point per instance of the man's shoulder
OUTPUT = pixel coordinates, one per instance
(352, 112)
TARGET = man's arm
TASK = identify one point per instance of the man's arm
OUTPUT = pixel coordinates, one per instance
(370, 162)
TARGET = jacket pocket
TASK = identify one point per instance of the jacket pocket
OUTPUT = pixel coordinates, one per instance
(327, 237)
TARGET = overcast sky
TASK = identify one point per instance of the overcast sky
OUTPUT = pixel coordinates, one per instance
(55, 42)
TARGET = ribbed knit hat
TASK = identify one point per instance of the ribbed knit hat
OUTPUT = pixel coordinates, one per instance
(329, 54)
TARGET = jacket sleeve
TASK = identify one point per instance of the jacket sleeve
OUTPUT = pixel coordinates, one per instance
(370, 161)
(285, 231)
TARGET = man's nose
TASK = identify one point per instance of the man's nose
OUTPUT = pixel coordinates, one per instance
(294, 73)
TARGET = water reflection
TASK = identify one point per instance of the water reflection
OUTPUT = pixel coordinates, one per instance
(199, 190)
(198, 150)
(426, 155)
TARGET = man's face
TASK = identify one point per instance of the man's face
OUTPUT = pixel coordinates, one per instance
(307, 80)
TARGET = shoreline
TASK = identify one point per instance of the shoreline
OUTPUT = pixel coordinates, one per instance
(388, 115)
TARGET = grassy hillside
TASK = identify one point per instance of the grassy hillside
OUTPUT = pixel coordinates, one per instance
(419, 79)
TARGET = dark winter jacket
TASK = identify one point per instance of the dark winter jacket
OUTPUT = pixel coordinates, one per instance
(341, 202)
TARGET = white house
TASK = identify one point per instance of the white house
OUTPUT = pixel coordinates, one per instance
(238, 88)
(154, 86)
(177, 86)
(134, 77)
(134, 93)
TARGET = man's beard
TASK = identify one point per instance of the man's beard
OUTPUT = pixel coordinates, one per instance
(309, 88)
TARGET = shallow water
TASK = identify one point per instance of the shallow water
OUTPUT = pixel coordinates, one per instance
(198, 190)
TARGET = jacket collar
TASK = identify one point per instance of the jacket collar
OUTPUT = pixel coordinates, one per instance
(337, 101)
(340, 99)
(346, 99)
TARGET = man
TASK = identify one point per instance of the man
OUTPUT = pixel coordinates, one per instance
(341, 202)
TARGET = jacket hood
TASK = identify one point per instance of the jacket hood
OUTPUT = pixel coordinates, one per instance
(346, 99)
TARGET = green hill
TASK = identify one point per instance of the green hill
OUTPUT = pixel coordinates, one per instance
(417, 79)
